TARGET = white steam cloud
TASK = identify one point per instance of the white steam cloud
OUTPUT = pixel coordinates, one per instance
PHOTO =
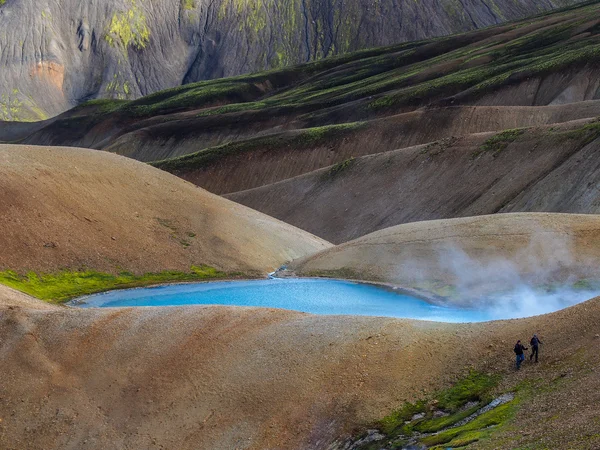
(542, 277)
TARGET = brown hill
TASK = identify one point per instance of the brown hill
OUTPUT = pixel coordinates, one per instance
(69, 208)
(223, 378)
(546, 169)
(468, 256)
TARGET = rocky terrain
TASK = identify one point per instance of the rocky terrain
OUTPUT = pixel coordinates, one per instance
(56, 54)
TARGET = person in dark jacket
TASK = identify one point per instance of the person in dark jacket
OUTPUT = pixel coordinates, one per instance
(519, 348)
(535, 346)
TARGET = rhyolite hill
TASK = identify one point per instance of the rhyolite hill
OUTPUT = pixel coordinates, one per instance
(55, 54)
(85, 221)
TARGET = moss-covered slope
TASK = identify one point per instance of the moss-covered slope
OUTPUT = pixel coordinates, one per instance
(57, 53)
(551, 59)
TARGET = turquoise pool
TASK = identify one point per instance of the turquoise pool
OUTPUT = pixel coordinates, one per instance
(314, 296)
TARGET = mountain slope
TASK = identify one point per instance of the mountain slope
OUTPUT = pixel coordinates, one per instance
(56, 54)
(12, 299)
(549, 60)
(75, 209)
(545, 169)
(251, 137)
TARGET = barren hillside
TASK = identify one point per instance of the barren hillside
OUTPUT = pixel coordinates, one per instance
(223, 378)
(77, 209)
(542, 169)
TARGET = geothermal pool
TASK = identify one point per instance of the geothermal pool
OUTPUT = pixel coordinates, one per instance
(318, 296)
(314, 296)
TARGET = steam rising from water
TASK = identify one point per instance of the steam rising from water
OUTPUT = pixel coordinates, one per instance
(543, 277)
(527, 301)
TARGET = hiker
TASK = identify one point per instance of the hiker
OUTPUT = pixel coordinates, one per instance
(519, 352)
(535, 345)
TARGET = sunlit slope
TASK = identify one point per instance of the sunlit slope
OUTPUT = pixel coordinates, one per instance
(9, 298)
(77, 209)
(466, 258)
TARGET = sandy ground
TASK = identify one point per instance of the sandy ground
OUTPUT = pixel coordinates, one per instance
(74, 208)
(15, 299)
(225, 378)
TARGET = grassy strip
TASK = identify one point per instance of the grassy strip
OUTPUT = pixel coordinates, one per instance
(473, 431)
(306, 138)
(339, 168)
(66, 285)
(342, 273)
(498, 143)
(476, 387)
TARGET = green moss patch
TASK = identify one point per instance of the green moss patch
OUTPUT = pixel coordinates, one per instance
(420, 423)
(474, 430)
(302, 139)
(66, 285)
(499, 142)
(473, 388)
(103, 105)
(339, 168)
(128, 28)
(188, 5)
(586, 134)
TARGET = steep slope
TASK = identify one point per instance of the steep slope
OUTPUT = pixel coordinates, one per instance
(75, 209)
(553, 58)
(222, 378)
(56, 54)
(469, 256)
(546, 169)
